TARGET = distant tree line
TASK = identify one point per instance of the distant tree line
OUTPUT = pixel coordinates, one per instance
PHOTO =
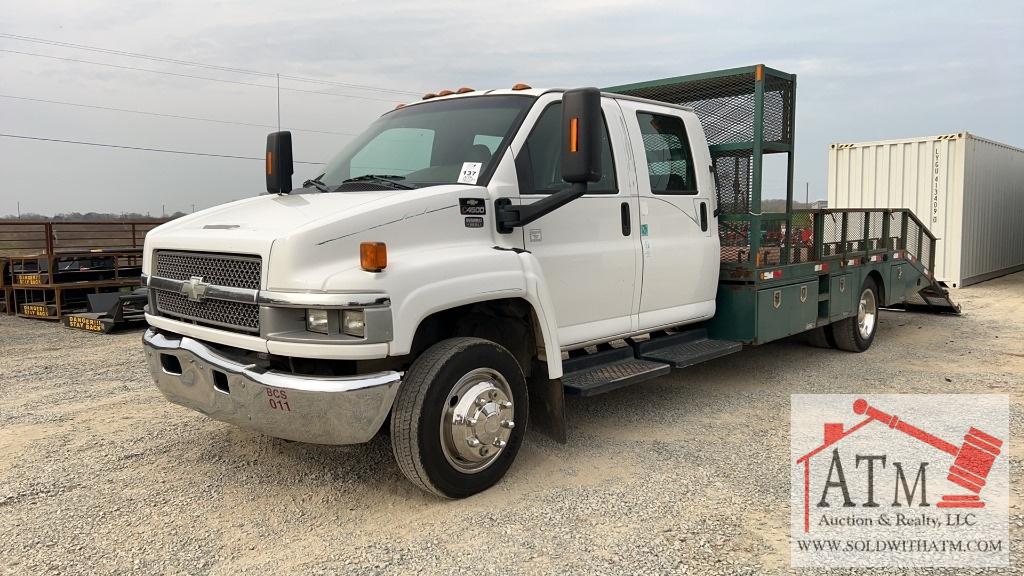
(87, 216)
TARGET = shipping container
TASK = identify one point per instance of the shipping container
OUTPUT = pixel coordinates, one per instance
(968, 190)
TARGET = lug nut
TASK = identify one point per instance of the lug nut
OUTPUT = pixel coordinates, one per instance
(481, 401)
(508, 424)
(506, 404)
(458, 419)
(473, 442)
(500, 443)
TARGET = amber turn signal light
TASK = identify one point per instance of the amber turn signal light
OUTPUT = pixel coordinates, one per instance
(373, 256)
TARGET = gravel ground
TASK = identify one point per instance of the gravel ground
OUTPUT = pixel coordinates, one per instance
(685, 474)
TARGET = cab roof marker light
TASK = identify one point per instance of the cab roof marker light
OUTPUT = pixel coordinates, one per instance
(521, 86)
(429, 95)
(445, 93)
(464, 90)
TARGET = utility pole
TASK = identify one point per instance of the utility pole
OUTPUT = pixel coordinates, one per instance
(163, 210)
(807, 194)
(193, 208)
(278, 103)
(19, 210)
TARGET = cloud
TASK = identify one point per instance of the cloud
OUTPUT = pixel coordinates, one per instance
(866, 71)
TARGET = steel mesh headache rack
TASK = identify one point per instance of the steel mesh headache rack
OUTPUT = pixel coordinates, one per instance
(746, 113)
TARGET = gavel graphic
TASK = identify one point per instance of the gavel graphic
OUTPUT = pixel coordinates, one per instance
(972, 461)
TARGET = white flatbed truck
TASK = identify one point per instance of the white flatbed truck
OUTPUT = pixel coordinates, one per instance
(477, 255)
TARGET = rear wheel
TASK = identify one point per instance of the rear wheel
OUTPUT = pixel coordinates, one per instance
(856, 333)
(460, 417)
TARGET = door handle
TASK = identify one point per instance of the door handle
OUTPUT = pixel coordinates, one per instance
(627, 227)
(703, 217)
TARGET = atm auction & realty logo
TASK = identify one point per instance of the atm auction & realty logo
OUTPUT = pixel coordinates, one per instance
(899, 480)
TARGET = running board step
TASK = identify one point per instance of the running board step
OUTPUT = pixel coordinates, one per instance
(608, 370)
(686, 349)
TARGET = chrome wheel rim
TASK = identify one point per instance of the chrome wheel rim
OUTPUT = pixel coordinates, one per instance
(477, 420)
(867, 314)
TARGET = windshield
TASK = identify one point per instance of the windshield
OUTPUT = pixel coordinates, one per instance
(443, 142)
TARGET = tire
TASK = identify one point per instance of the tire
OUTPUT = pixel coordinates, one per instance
(821, 337)
(454, 394)
(856, 333)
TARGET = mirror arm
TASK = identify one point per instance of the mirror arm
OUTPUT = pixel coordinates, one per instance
(509, 217)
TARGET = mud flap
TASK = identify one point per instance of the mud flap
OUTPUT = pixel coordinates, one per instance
(547, 404)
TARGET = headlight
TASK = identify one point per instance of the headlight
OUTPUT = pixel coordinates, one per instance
(316, 320)
(352, 323)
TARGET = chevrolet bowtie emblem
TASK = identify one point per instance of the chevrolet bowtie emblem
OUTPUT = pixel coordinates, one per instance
(195, 289)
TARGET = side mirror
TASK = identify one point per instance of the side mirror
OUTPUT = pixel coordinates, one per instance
(582, 128)
(279, 162)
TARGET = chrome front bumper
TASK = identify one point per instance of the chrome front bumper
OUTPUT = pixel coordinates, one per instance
(316, 409)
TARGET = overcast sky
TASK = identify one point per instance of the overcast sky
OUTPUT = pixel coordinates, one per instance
(866, 71)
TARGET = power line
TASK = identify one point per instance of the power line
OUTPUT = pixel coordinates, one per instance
(165, 115)
(199, 64)
(192, 76)
(185, 152)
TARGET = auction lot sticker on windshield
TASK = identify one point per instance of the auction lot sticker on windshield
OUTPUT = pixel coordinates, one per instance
(899, 480)
(470, 172)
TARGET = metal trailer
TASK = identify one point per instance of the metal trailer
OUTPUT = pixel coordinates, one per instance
(798, 270)
(970, 191)
(52, 267)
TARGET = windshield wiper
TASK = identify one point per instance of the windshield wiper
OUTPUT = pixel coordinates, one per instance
(389, 179)
(316, 183)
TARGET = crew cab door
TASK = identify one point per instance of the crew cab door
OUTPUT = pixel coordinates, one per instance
(589, 249)
(678, 228)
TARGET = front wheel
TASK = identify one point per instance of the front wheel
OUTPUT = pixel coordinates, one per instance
(460, 417)
(856, 333)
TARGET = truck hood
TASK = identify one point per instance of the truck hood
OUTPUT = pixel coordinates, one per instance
(299, 221)
(268, 215)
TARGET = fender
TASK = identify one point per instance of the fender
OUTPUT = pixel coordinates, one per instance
(458, 276)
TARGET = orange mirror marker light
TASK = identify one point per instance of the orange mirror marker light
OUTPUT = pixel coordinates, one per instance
(373, 256)
(574, 131)
(270, 162)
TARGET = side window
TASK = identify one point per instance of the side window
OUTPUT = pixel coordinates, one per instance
(540, 162)
(397, 151)
(669, 162)
(492, 142)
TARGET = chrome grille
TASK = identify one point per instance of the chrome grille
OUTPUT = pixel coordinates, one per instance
(221, 313)
(230, 270)
(217, 269)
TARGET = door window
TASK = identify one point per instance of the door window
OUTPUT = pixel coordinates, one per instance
(540, 161)
(669, 162)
